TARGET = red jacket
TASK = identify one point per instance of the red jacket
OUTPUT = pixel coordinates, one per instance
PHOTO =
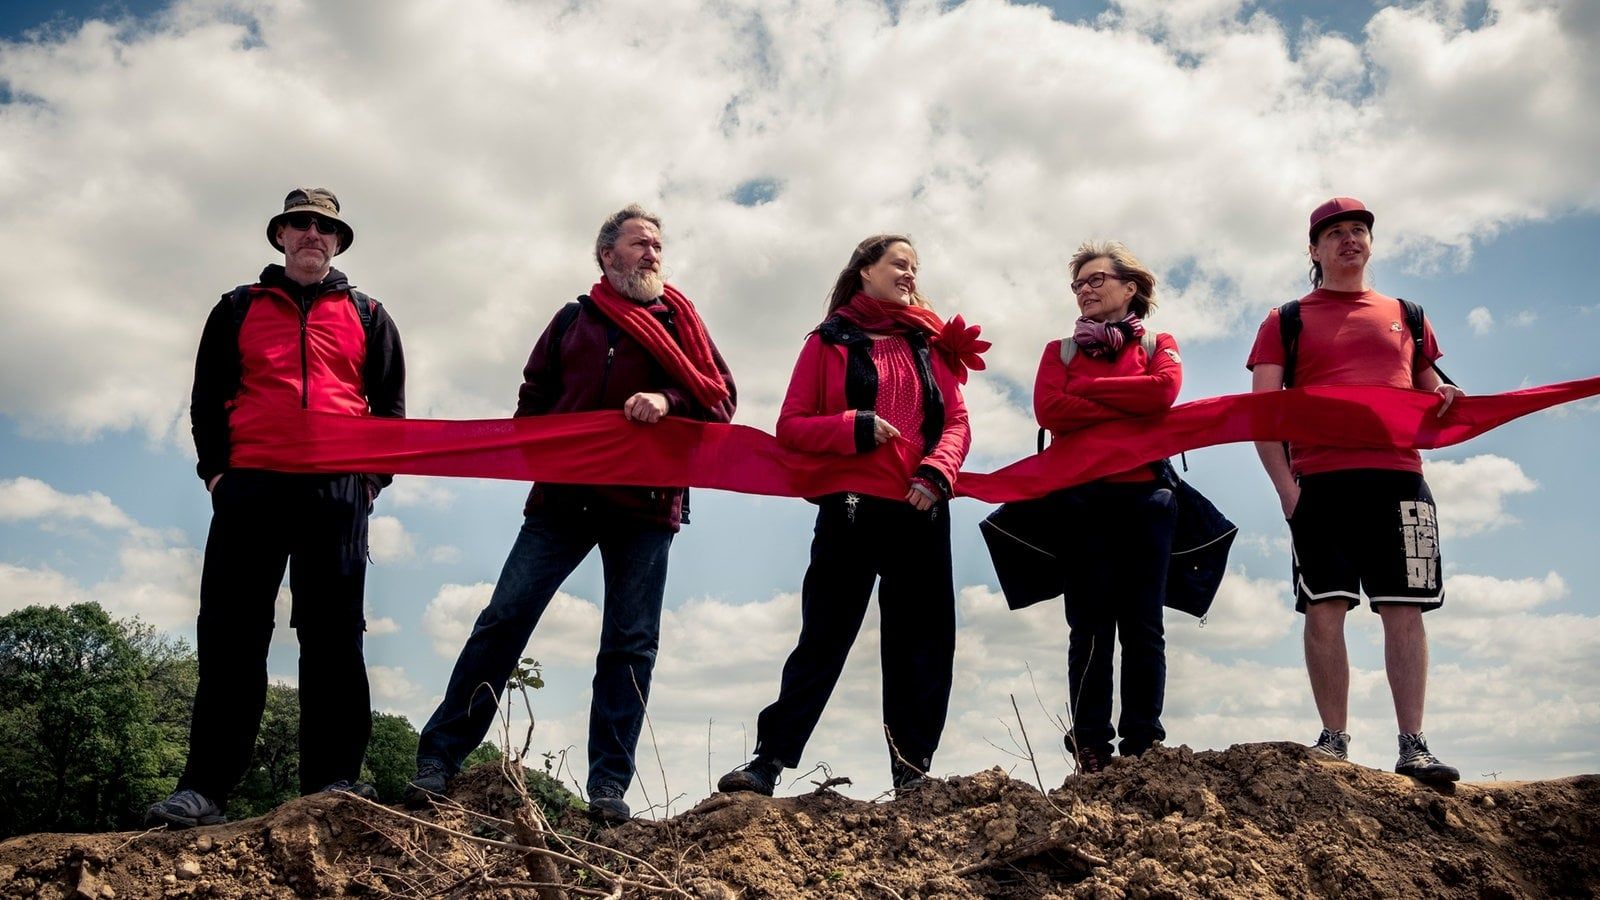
(832, 393)
(1093, 390)
(298, 347)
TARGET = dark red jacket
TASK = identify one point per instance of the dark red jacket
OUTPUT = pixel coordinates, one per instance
(834, 389)
(599, 366)
(298, 347)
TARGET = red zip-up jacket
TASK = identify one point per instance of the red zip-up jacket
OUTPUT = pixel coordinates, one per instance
(298, 347)
(830, 403)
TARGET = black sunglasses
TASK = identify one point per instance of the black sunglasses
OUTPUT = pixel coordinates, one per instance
(307, 221)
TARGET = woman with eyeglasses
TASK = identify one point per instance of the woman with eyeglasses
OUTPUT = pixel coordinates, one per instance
(881, 367)
(1111, 367)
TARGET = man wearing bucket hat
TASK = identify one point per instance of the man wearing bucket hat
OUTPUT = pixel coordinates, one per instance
(1361, 519)
(299, 338)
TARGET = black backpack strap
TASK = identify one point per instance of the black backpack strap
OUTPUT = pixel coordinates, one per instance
(239, 299)
(1289, 330)
(364, 304)
(558, 330)
(1419, 360)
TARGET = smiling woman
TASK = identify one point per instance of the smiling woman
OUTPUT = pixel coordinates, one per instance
(870, 374)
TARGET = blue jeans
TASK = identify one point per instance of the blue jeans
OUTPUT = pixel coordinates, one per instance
(550, 545)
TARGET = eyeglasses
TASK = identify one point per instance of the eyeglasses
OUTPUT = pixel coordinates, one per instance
(1094, 281)
(307, 221)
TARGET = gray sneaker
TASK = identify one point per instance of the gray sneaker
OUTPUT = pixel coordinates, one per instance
(359, 788)
(430, 781)
(1332, 745)
(184, 809)
(606, 806)
(1417, 761)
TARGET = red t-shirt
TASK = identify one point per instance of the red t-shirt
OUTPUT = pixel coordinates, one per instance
(1347, 337)
(1100, 389)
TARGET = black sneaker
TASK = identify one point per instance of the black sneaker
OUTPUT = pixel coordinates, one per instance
(606, 806)
(1332, 745)
(359, 788)
(758, 776)
(907, 777)
(1090, 760)
(184, 809)
(430, 781)
(1417, 761)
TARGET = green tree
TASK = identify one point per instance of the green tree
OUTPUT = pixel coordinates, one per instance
(79, 749)
(391, 756)
(273, 775)
(484, 752)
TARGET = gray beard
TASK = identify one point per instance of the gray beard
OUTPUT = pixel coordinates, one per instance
(641, 285)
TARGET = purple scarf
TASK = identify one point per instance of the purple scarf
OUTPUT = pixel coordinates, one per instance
(1106, 338)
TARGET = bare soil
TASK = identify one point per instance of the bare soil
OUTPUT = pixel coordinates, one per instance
(1255, 820)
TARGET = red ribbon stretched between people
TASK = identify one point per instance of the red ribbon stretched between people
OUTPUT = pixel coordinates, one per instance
(604, 448)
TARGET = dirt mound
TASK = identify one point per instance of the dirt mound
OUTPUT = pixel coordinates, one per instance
(1260, 820)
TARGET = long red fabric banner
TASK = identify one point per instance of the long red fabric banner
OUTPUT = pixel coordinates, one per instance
(604, 448)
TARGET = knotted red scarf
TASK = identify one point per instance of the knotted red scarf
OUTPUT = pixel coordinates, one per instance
(689, 359)
(957, 341)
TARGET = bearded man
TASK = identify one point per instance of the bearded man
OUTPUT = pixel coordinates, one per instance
(636, 344)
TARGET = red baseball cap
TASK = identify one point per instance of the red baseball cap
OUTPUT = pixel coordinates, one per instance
(1338, 210)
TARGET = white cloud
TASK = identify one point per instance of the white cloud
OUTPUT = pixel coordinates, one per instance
(449, 615)
(21, 586)
(389, 541)
(568, 631)
(391, 686)
(409, 491)
(778, 93)
(1485, 595)
(1471, 493)
(1480, 320)
(29, 499)
(381, 625)
(155, 576)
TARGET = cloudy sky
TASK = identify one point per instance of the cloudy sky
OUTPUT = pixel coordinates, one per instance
(477, 144)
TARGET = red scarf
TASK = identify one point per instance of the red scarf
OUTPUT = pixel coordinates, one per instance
(888, 317)
(957, 341)
(688, 360)
(602, 448)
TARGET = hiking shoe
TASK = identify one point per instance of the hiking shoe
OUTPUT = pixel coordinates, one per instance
(907, 777)
(758, 776)
(1417, 761)
(1090, 760)
(606, 806)
(184, 809)
(359, 788)
(1332, 745)
(430, 781)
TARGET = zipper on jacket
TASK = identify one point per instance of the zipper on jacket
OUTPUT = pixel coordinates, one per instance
(305, 389)
(605, 375)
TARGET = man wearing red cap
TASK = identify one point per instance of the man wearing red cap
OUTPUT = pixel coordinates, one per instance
(301, 337)
(1360, 518)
